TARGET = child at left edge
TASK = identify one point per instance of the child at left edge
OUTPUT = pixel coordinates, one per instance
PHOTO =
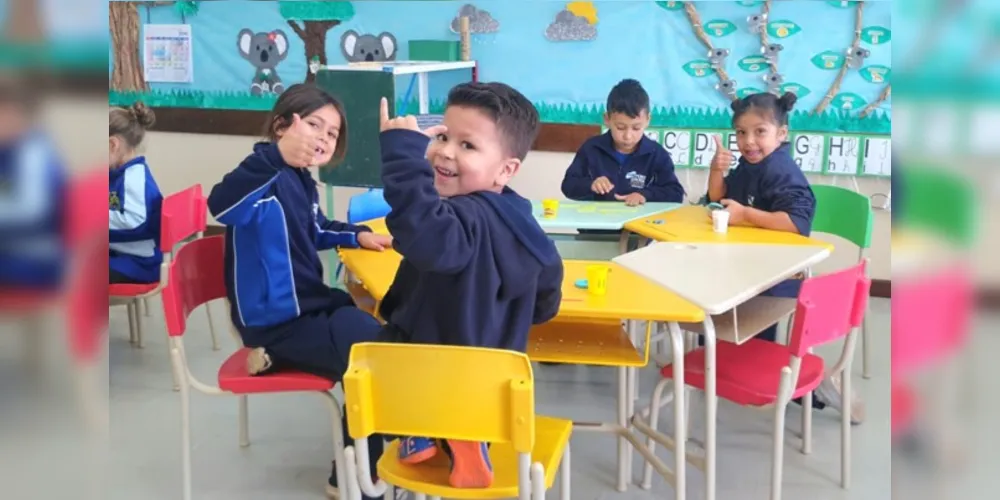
(623, 164)
(477, 269)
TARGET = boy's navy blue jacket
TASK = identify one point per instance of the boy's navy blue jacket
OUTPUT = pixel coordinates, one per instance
(32, 213)
(477, 269)
(647, 170)
(274, 229)
(134, 203)
(775, 184)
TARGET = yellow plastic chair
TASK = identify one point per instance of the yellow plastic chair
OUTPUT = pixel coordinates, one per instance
(449, 392)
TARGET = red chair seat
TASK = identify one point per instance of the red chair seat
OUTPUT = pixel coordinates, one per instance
(235, 378)
(130, 289)
(26, 300)
(749, 374)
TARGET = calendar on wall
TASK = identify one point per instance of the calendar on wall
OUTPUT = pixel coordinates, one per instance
(167, 53)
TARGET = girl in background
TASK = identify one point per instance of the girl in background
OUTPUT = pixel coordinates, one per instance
(133, 199)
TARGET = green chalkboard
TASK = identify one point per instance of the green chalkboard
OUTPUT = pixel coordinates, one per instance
(360, 91)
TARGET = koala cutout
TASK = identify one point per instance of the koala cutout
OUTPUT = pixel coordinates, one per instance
(757, 23)
(771, 52)
(368, 48)
(774, 81)
(718, 57)
(264, 50)
(856, 58)
(728, 88)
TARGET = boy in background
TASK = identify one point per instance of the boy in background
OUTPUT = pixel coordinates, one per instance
(623, 164)
(477, 269)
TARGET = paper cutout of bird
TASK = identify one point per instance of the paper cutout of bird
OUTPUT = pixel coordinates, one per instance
(585, 10)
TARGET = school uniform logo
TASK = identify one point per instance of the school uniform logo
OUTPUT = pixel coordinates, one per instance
(113, 202)
(750, 201)
(636, 180)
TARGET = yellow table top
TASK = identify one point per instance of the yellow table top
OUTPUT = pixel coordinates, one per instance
(629, 296)
(693, 224)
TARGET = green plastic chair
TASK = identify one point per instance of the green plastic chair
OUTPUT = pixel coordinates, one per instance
(938, 201)
(849, 215)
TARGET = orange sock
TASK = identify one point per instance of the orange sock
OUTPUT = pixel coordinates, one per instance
(470, 465)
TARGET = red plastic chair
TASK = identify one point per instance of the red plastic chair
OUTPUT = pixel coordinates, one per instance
(760, 373)
(187, 221)
(196, 277)
(930, 325)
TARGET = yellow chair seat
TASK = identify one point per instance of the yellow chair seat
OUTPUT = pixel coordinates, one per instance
(602, 343)
(431, 477)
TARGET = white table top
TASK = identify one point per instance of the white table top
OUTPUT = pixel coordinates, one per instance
(718, 277)
(608, 215)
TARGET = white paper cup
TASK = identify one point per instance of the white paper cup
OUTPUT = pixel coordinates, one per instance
(720, 221)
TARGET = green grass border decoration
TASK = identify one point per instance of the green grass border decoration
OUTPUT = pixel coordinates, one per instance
(830, 121)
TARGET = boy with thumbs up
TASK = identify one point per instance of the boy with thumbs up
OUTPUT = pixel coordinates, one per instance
(477, 268)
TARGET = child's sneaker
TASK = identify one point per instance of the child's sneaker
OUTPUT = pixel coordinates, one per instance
(413, 450)
(470, 464)
(258, 361)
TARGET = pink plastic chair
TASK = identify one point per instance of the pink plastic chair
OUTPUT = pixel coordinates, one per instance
(187, 221)
(760, 373)
(196, 277)
(930, 323)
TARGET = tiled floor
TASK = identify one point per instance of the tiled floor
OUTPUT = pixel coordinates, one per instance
(290, 454)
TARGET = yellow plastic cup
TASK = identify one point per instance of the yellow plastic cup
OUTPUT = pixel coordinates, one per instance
(550, 208)
(597, 279)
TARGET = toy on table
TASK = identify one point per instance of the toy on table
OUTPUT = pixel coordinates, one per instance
(715, 206)
(550, 208)
(597, 278)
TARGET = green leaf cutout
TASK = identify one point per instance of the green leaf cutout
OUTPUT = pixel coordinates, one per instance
(843, 4)
(848, 101)
(876, 35)
(741, 93)
(828, 60)
(782, 28)
(671, 5)
(753, 63)
(719, 28)
(798, 89)
(699, 68)
(749, 3)
(876, 73)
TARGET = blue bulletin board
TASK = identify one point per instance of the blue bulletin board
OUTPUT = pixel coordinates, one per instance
(565, 56)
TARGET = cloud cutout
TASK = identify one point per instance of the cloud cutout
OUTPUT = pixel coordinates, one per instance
(570, 27)
(480, 21)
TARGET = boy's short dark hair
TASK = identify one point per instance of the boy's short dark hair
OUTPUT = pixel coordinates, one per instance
(516, 118)
(628, 98)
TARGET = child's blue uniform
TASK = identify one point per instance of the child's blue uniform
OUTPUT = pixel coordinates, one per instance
(274, 231)
(274, 277)
(477, 269)
(775, 184)
(134, 203)
(647, 170)
(32, 214)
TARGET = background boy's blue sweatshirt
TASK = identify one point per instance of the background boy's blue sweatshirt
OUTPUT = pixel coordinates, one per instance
(647, 170)
(32, 213)
(775, 184)
(134, 203)
(477, 269)
(274, 229)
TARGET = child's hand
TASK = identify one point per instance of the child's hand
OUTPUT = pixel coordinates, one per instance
(631, 200)
(408, 122)
(372, 241)
(723, 156)
(737, 212)
(602, 186)
(298, 144)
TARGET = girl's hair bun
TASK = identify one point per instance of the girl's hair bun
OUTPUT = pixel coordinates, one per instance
(142, 114)
(787, 101)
